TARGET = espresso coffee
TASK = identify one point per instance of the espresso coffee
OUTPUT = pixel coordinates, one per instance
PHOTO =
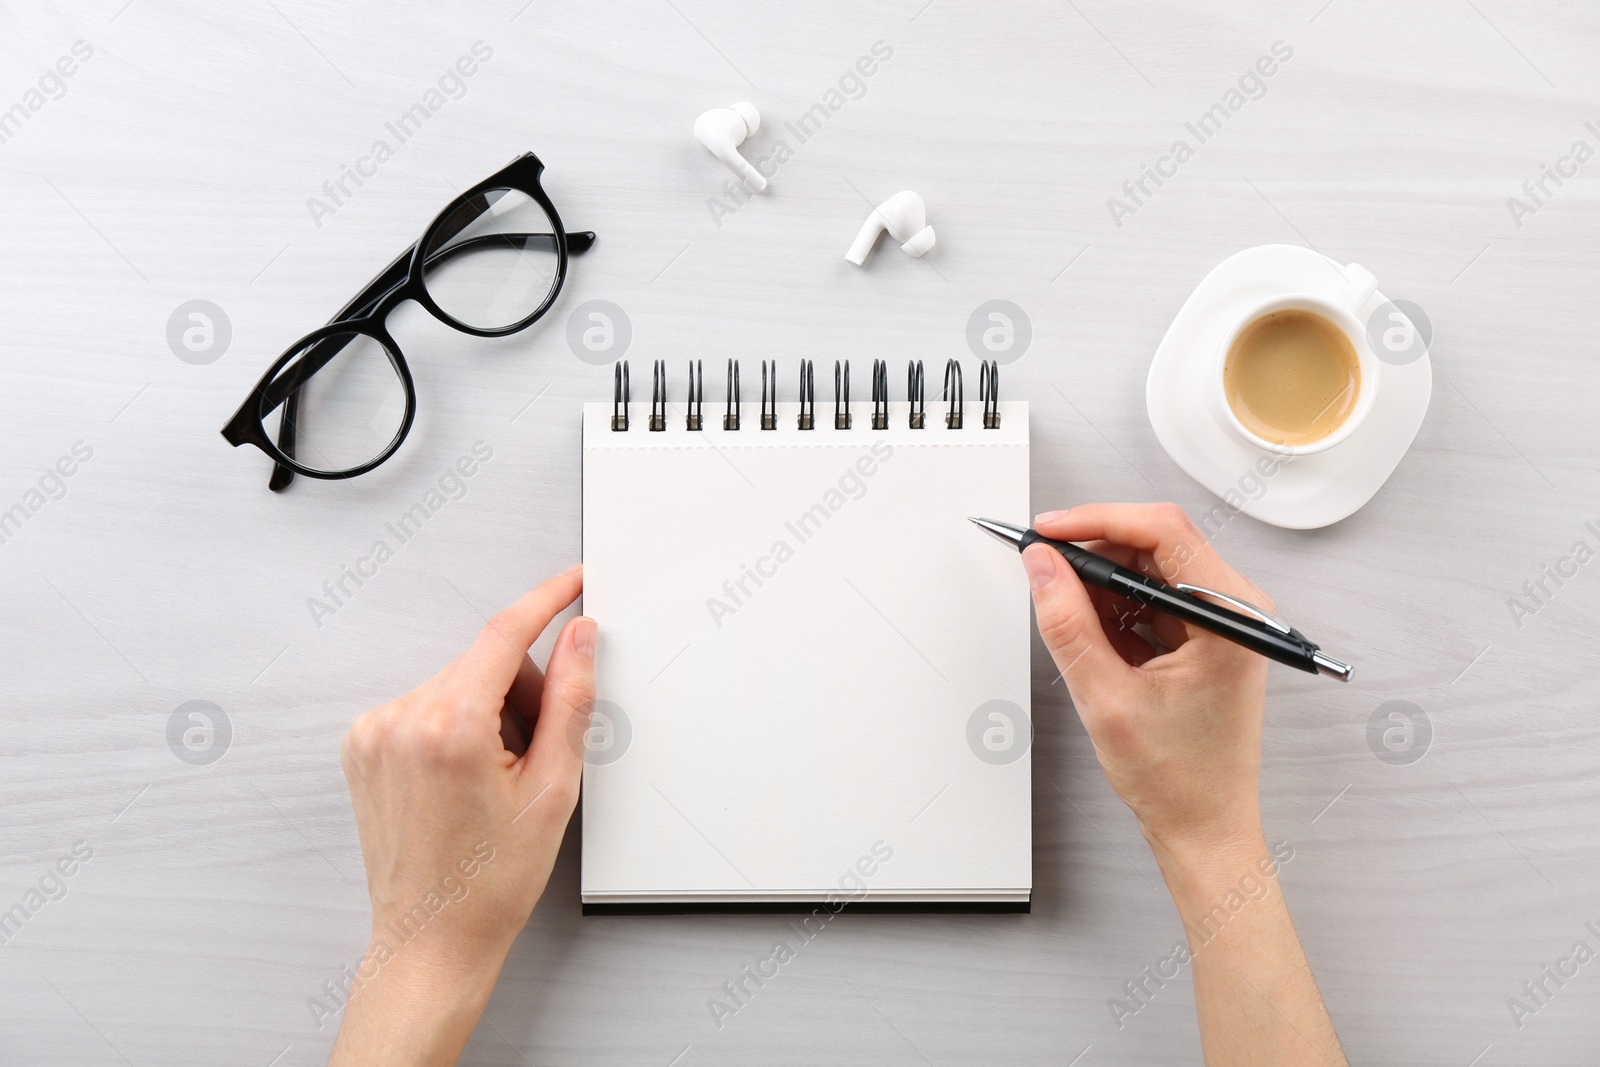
(1292, 377)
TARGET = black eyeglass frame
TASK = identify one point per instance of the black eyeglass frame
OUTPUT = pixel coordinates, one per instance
(367, 313)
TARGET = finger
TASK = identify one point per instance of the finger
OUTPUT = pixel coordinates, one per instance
(1111, 608)
(1178, 550)
(491, 664)
(1169, 631)
(1070, 626)
(555, 758)
(527, 689)
(1106, 601)
(1118, 617)
(521, 707)
(1122, 555)
(1116, 614)
(1131, 646)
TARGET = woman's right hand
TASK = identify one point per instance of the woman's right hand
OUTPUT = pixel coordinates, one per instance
(1177, 729)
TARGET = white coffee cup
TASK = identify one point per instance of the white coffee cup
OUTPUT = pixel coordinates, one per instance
(1341, 304)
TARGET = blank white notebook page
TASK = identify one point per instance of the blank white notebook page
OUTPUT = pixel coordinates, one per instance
(810, 663)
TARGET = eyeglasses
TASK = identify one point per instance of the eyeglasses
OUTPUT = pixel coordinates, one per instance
(490, 264)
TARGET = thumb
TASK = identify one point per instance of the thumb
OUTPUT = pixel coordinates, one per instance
(1070, 625)
(555, 756)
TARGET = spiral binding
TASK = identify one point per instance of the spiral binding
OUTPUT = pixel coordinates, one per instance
(769, 405)
(808, 395)
(624, 396)
(697, 395)
(989, 393)
(953, 395)
(658, 397)
(880, 394)
(730, 420)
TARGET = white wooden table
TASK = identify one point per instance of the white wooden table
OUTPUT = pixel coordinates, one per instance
(175, 164)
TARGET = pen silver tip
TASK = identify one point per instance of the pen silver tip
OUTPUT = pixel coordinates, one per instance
(1000, 531)
(1331, 667)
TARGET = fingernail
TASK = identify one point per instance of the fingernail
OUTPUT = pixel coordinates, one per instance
(583, 637)
(1040, 564)
(1047, 516)
(572, 569)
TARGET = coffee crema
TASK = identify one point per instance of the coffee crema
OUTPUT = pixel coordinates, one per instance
(1292, 377)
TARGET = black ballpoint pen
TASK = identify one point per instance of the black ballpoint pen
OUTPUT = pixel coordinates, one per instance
(1249, 626)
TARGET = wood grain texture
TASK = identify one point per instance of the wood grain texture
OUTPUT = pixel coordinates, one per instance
(177, 165)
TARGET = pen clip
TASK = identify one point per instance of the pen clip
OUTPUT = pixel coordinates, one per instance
(1242, 605)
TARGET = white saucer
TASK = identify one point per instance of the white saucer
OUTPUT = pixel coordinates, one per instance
(1304, 492)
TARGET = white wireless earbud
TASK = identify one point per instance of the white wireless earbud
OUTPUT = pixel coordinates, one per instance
(723, 130)
(905, 216)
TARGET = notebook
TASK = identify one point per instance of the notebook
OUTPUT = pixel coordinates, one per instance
(812, 676)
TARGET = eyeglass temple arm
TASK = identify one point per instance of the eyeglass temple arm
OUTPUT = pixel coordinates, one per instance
(285, 389)
(281, 475)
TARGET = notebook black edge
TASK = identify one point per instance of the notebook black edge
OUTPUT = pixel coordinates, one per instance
(803, 907)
